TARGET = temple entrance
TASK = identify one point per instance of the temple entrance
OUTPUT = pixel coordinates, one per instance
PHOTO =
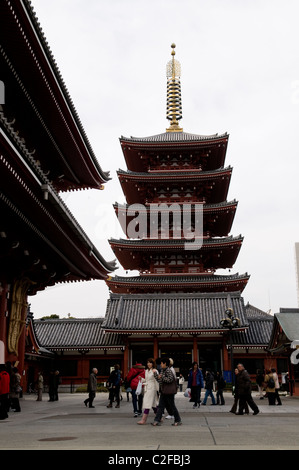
(141, 354)
(182, 358)
(181, 355)
(209, 356)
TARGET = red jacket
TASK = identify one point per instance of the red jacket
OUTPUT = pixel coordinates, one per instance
(4, 382)
(135, 372)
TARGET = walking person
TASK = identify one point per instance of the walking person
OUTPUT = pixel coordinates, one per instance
(286, 383)
(174, 374)
(168, 391)
(195, 383)
(181, 382)
(270, 387)
(114, 386)
(15, 390)
(259, 381)
(40, 386)
(236, 396)
(209, 381)
(132, 380)
(220, 387)
(150, 390)
(244, 391)
(56, 384)
(91, 388)
(277, 386)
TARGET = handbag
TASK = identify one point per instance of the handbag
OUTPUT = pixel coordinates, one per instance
(187, 393)
(139, 388)
(169, 388)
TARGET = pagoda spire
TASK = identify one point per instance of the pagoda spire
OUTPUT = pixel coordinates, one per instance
(174, 100)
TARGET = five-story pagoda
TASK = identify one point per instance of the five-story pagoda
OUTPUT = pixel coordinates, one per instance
(177, 222)
(176, 184)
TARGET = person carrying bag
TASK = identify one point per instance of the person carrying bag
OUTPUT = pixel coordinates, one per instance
(168, 391)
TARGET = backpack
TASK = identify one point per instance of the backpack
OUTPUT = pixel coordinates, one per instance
(271, 382)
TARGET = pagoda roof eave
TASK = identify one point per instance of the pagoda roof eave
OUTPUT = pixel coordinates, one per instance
(192, 174)
(169, 282)
(176, 138)
(174, 243)
(188, 278)
(224, 205)
(134, 254)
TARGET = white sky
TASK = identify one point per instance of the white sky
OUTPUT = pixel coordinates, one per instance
(240, 74)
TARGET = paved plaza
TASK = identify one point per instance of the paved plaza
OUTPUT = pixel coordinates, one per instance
(68, 425)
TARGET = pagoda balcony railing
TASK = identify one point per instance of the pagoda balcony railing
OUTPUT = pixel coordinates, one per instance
(227, 240)
(176, 168)
(173, 200)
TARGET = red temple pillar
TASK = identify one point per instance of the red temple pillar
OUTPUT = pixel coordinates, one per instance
(195, 352)
(226, 361)
(156, 347)
(126, 358)
(3, 322)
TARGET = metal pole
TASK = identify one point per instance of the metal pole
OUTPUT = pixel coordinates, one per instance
(231, 358)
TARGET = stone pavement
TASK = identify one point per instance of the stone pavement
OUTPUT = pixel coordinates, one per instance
(68, 425)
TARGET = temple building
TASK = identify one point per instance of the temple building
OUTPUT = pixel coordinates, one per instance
(44, 151)
(177, 222)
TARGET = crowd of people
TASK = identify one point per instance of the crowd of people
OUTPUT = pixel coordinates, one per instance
(11, 390)
(153, 387)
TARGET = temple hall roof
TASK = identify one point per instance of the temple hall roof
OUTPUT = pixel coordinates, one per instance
(74, 334)
(154, 313)
(166, 313)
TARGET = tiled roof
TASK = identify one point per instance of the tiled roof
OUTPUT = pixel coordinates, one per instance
(177, 243)
(170, 279)
(171, 312)
(192, 174)
(175, 137)
(53, 64)
(74, 334)
(147, 313)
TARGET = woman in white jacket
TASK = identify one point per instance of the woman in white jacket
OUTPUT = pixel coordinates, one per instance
(150, 389)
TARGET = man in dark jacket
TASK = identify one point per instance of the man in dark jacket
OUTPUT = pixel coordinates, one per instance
(209, 379)
(91, 388)
(244, 391)
(114, 386)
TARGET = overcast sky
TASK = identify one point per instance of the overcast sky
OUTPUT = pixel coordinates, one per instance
(240, 75)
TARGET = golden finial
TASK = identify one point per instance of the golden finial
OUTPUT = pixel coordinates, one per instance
(174, 101)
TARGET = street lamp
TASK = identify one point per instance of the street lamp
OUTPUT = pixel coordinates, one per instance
(230, 322)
